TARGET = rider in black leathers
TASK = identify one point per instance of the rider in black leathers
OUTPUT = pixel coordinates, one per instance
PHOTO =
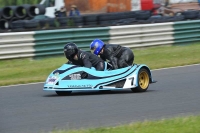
(82, 58)
(118, 56)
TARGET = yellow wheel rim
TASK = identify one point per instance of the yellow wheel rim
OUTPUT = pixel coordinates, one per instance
(144, 80)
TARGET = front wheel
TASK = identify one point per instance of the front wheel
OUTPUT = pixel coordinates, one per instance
(63, 93)
(143, 81)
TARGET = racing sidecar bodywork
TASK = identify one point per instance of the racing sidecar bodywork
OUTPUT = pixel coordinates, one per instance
(70, 78)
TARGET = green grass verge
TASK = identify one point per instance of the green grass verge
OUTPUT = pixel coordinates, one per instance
(189, 124)
(18, 71)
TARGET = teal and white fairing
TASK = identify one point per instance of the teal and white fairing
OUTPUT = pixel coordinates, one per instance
(73, 78)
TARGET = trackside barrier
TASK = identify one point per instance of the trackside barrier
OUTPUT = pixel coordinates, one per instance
(45, 43)
(155, 34)
(51, 42)
(16, 45)
(142, 35)
(186, 32)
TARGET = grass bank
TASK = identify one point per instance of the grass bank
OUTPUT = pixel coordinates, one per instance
(189, 124)
(20, 71)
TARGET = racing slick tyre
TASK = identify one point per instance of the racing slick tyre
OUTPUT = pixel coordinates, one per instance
(31, 24)
(62, 21)
(143, 81)
(191, 14)
(4, 24)
(19, 24)
(143, 15)
(90, 18)
(40, 9)
(63, 93)
(51, 22)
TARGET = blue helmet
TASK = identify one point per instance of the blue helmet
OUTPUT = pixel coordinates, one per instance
(97, 44)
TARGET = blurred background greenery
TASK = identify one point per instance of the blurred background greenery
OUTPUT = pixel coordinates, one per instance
(17, 2)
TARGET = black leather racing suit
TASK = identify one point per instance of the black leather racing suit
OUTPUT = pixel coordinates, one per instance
(118, 56)
(88, 60)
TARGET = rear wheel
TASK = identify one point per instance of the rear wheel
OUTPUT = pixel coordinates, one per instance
(143, 81)
(63, 93)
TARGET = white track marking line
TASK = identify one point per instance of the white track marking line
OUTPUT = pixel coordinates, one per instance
(175, 67)
(22, 84)
(151, 70)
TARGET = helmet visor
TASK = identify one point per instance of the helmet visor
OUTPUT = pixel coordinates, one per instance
(93, 49)
(69, 55)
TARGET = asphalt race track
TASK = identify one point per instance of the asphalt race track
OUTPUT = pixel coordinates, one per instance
(28, 109)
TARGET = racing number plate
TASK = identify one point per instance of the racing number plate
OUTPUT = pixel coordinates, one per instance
(52, 80)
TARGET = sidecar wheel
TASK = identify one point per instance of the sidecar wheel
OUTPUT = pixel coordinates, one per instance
(143, 81)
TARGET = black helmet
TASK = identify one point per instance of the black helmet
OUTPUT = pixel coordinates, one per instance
(70, 50)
